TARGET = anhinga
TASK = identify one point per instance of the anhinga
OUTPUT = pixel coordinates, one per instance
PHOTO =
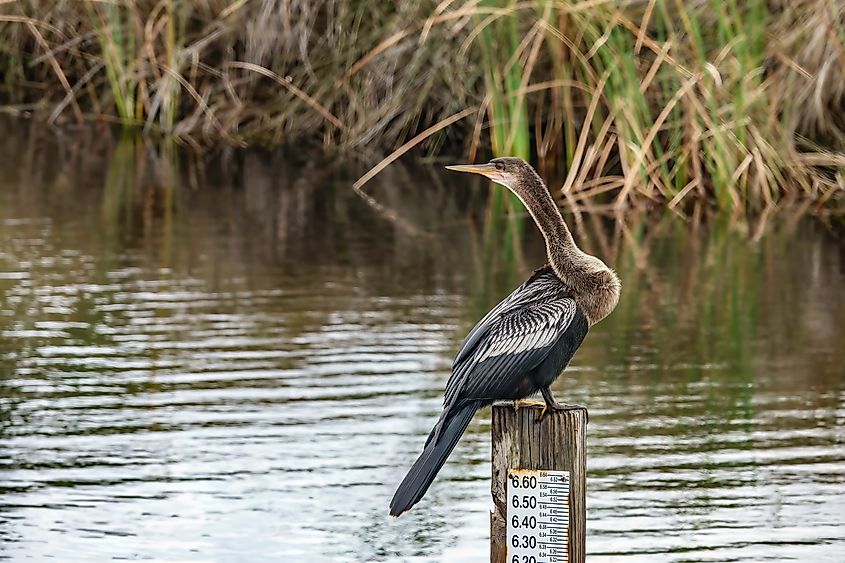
(523, 344)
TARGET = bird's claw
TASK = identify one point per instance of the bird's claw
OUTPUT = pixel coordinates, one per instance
(563, 407)
(543, 412)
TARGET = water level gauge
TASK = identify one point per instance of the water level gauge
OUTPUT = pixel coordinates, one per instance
(538, 516)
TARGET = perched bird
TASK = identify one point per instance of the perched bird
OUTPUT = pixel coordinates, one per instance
(523, 344)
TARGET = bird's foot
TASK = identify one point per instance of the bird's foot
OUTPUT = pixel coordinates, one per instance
(563, 407)
(518, 403)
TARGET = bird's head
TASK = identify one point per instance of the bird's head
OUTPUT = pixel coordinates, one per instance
(511, 172)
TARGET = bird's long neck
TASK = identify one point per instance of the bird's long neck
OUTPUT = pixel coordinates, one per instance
(565, 258)
(593, 284)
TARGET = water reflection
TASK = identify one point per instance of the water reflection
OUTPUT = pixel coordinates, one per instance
(238, 361)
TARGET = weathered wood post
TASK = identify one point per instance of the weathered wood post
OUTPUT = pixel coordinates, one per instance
(533, 517)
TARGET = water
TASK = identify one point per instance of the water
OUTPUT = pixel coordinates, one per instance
(238, 362)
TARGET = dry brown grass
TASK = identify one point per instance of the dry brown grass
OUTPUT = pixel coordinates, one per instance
(257, 72)
(681, 102)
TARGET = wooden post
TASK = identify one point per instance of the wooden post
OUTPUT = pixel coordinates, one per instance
(557, 443)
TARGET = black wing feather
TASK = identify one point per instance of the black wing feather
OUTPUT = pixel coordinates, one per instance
(542, 281)
(511, 340)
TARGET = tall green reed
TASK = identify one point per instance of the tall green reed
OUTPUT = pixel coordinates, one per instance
(502, 59)
(112, 24)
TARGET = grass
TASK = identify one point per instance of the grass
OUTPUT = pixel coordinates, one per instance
(689, 104)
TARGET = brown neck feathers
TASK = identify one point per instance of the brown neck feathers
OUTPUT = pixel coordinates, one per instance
(594, 286)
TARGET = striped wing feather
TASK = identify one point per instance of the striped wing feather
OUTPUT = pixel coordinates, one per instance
(510, 341)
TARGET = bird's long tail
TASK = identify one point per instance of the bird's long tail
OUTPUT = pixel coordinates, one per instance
(448, 431)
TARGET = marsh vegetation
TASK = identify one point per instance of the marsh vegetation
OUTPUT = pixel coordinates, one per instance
(694, 104)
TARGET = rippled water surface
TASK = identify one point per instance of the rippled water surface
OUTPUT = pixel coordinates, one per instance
(238, 361)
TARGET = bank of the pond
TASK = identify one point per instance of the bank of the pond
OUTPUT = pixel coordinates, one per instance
(737, 106)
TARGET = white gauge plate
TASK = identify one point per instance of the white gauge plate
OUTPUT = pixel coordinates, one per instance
(538, 516)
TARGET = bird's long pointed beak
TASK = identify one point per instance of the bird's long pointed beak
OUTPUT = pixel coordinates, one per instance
(474, 168)
(488, 170)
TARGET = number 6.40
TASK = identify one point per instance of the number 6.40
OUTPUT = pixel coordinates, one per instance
(526, 522)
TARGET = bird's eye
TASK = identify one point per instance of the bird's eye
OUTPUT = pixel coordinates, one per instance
(500, 166)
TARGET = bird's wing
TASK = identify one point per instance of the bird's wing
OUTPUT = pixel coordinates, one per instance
(512, 343)
(542, 283)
